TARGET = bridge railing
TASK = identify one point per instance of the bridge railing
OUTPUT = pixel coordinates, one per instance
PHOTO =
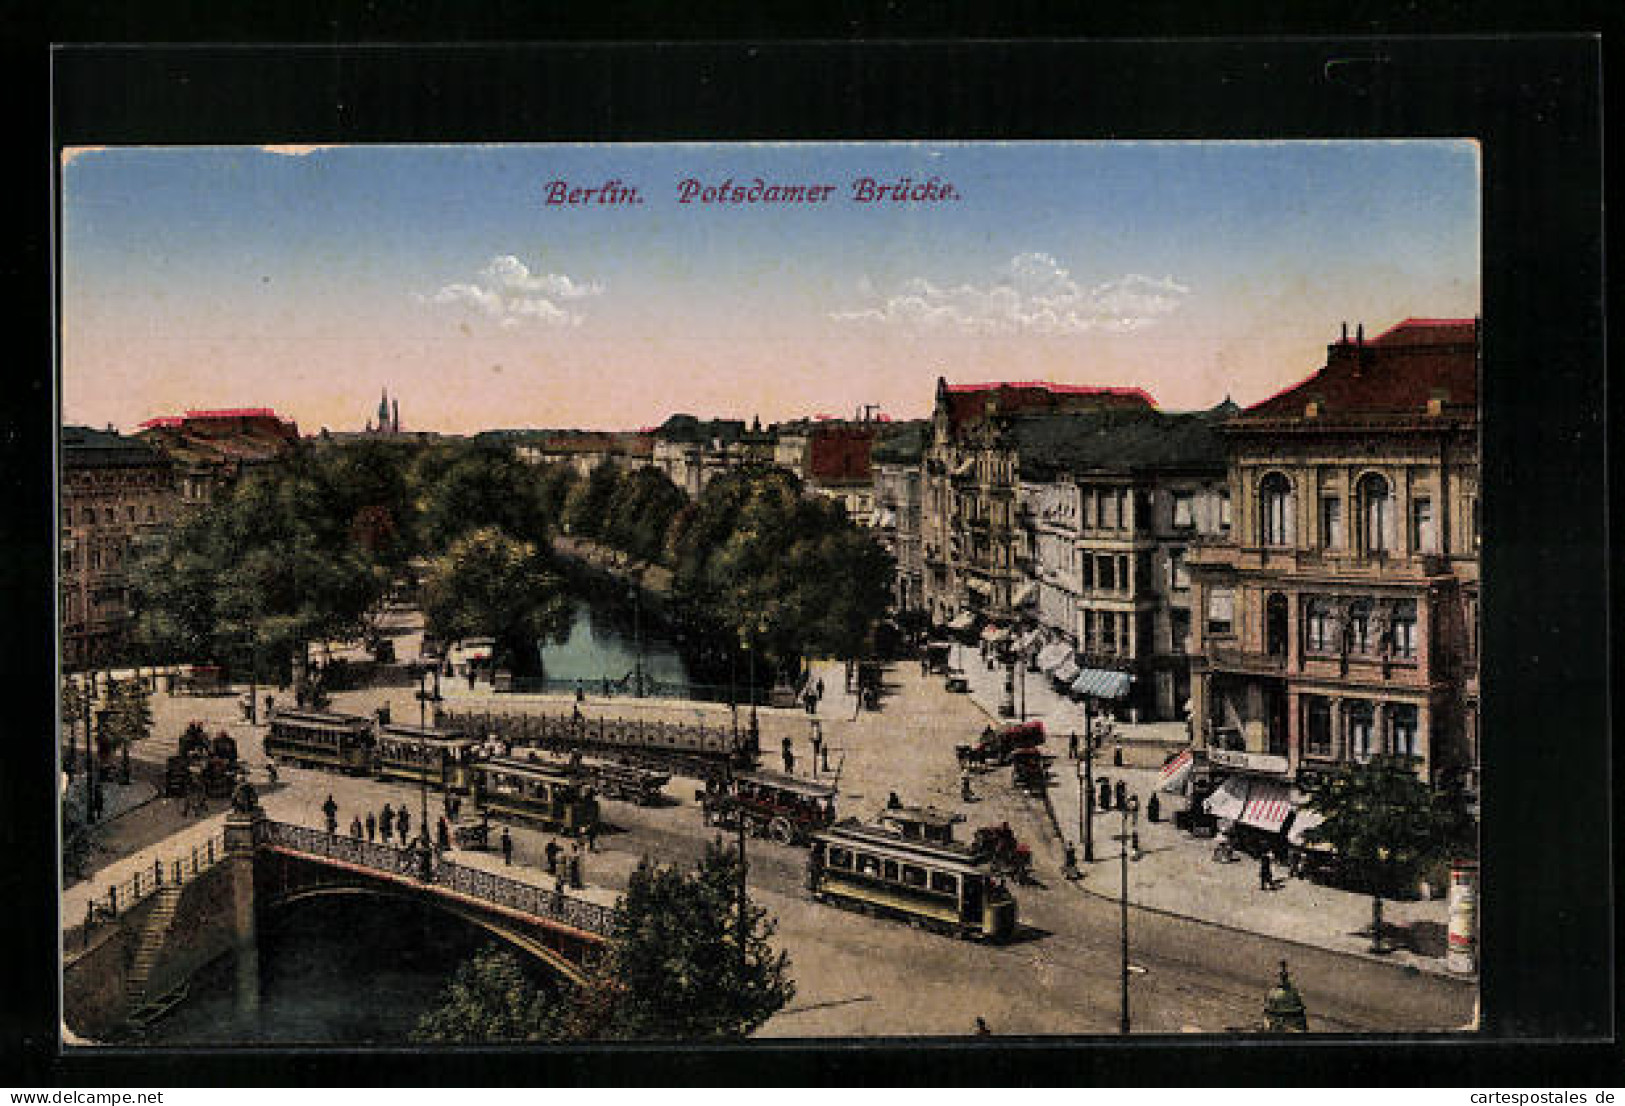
(436, 870)
(178, 871)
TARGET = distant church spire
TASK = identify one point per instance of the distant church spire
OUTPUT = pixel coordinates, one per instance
(383, 411)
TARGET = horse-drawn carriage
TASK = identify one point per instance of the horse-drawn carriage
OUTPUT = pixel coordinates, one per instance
(1029, 769)
(998, 746)
(1005, 855)
(202, 763)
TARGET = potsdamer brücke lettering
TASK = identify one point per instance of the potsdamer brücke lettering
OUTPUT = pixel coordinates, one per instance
(753, 191)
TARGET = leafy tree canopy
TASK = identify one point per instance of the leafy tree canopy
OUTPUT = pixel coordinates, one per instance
(675, 970)
(1383, 815)
(489, 1001)
(489, 584)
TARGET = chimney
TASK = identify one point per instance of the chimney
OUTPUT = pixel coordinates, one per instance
(1359, 334)
(1345, 330)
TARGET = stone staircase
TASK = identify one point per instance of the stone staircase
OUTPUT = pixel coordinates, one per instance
(166, 900)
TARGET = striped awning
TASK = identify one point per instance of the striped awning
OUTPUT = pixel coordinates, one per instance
(1174, 774)
(1228, 800)
(1101, 683)
(1054, 655)
(1268, 804)
(1067, 672)
(964, 620)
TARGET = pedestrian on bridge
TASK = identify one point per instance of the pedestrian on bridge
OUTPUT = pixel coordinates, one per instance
(591, 834)
(443, 833)
(552, 854)
(789, 756)
(575, 868)
(386, 822)
(507, 846)
(331, 810)
(403, 822)
(355, 827)
(372, 827)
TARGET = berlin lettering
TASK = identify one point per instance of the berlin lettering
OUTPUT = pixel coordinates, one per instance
(559, 194)
(756, 191)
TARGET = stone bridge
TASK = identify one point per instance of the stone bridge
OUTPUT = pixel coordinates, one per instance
(151, 934)
(296, 863)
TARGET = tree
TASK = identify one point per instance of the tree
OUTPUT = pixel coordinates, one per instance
(587, 506)
(1384, 819)
(489, 1001)
(777, 570)
(462, 487)
(126, 719)
(489, 584)
(674, 970)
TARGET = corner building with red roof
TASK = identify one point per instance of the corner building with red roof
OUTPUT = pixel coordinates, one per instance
(1338, 618)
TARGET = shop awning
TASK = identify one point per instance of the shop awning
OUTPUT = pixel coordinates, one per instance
(994, 634)
(1024, 594)
(964, 620)
(1174, 774)
(1101, 683)
(1067, 672)
(1268, 804)
(1054, 655)
(1227, 802)
(1303, 821)
(980, 587)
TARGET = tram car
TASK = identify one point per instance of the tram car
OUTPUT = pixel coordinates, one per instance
(683, 748)
(613, 779)
(937, 885)
(321, 740)
(424, 754)
(787, 809)
(531, 791)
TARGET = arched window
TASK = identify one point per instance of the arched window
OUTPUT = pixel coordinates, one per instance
(1275, 510)
(1376, 514)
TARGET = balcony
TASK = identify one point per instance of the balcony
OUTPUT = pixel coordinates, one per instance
(1231, 659)
(1317, 563)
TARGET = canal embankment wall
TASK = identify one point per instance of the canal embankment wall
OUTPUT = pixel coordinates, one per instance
(96, 977)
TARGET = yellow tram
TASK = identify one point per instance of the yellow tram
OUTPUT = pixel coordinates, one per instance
(939, 885)
(320, 739)
(440, 758)
(532, 792)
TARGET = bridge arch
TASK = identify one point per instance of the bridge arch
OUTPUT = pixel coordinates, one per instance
(555, 961)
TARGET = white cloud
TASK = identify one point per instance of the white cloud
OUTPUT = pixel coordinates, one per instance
(297, 151)
(1032, 293)
(508, 292)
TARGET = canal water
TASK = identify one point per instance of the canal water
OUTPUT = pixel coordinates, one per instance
(341, 971)
(603, 645)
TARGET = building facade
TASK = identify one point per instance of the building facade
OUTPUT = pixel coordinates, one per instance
(1112, 502)
(974, 546)
(209, 449)
(898, 493)
(692, 452)
(1338, 620)
(116, 493)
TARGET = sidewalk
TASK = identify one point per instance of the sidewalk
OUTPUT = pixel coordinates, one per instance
(1176, 873)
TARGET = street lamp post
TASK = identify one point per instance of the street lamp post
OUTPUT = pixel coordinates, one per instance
(1132, 807)
(633, 594)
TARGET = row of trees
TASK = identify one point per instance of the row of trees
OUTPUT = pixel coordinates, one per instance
(674, 970)
(309, 548)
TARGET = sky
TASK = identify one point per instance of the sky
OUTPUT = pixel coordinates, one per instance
(310, 279)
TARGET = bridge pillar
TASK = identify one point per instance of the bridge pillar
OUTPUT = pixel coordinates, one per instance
(242, 834)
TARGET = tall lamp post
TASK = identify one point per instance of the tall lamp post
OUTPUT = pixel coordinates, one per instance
(1131, 808)
(425, 697)
(1086, 802)
(637, 636)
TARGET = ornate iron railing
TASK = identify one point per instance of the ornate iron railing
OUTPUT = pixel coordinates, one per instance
(120, 897)
(430, 868)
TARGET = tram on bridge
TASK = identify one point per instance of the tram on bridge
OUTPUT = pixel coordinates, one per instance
(317, 739)
(939, 885)
(425, 754)
(548, 796)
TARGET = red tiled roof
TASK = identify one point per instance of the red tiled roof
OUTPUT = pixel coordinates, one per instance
(969, 401)
(1399, 371)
